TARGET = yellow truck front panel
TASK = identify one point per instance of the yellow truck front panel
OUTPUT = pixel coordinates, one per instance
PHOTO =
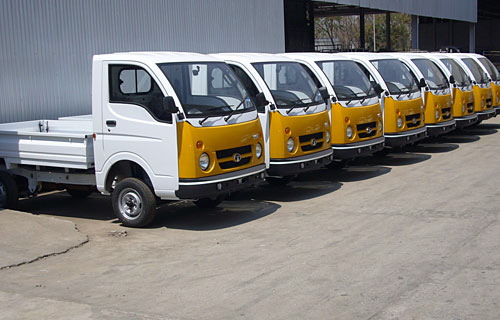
(230, 148)
(309, 133)
(495, 88)
(365, 122)
(463, 103)
(482, 98)
(410, 112)
(437, 105)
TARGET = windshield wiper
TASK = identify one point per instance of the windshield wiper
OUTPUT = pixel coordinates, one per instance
(237, 107)
(203, 120)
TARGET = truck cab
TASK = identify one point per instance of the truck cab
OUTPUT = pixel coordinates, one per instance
(355, 112)
(461, 89)
(401, 98)
(164, 126)
(481, 87)
(494, 77)
(295, 118)
(436, 93)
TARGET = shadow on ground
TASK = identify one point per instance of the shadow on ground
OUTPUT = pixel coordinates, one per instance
(186, 216)
(395, 159)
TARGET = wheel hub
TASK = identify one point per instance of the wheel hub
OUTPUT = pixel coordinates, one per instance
(130, 204)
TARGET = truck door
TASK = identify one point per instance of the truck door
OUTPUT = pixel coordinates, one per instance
(136, 127)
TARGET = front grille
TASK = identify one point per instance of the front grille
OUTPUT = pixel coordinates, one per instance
(230, 152)
(489, 103)
(309, 147)
(470, 107)
(309, 137)
(413, 120)
(234, 164)
(362, 129)
(446, 112)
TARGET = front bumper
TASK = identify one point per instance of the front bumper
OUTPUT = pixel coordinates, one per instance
(211, 187)
(292, 166)
(466, 121)
(484, 115)
(357, 149)
(406, 137)
(434, 130)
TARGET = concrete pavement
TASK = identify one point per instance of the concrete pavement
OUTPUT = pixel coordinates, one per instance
(413, 235)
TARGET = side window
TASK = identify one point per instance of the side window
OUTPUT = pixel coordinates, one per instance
(312, 75)
(133, 85)
(248, 84)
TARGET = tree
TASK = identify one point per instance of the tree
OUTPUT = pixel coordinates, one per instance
(343, 32)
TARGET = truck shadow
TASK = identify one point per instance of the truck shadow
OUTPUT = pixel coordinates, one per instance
(483, 129)
(95, 207)
(396, 159)
(458, 137)
(186, 216)
(432, 146)
(307, 186)
(354, 171)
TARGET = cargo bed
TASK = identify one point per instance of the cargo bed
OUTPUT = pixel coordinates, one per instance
(52, 143)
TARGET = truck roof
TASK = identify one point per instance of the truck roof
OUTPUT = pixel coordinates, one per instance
(253, 57)
(316, 56)
(158, 56)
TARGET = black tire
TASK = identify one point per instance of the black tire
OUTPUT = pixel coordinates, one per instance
(79, 193)
(208, 203)
(9, 193)
(134, 203)
(279, 181)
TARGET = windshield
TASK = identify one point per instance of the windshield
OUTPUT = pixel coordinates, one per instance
(492, 70)
(290, 84)
(433, 75)
(398, 78)
(207, 88)
(457, 71)
(347, 79)
(476, 70)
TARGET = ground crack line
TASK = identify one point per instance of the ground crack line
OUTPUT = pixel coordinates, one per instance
(53, 254)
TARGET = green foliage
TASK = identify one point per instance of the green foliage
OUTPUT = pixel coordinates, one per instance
(343, 32)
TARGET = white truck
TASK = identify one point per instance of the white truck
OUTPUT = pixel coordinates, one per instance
(164, 126)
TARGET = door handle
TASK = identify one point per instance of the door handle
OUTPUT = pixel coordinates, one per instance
(111, 123)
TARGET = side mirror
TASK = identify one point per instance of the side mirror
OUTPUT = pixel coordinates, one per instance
(422, 84)
(169, 105)
(378, 89)
(324, 93)
(452, 79)
(260, 100)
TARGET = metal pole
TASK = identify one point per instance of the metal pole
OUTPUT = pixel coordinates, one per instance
(472, 37)
(388, 30)
(361, 28)
(374, 41)
(414, 32)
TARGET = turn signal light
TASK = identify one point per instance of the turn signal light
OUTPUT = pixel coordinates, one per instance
(199, 144)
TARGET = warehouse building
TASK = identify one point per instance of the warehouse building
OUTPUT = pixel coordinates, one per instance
(47, 45)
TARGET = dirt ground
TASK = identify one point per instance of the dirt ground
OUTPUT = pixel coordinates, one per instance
(412, 235)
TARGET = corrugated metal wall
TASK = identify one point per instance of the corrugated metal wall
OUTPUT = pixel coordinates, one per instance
(46, 47)
(464, 10)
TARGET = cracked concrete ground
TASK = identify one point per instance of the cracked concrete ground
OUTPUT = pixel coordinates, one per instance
(414, 235)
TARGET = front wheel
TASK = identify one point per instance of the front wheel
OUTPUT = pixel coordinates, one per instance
(134, 203)
(9, 194)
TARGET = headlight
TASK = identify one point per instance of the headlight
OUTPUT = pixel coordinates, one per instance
(437, 114)
(327, 136)
(290, 145)
(258, 150)
(399, 122)
(348, 132)
(380, 125)
(204, 161)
